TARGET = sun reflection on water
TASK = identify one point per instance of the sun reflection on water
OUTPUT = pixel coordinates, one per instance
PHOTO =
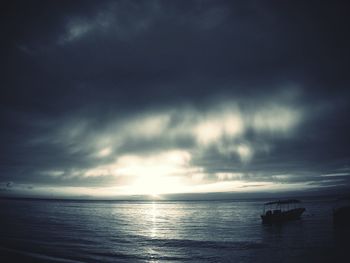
(154, 213)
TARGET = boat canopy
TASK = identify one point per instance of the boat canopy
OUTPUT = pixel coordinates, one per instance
(282, 202)
(343, 197)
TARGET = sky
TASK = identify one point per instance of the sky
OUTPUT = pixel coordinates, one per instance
(123, 98)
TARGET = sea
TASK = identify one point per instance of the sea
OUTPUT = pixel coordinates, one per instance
(165, 231)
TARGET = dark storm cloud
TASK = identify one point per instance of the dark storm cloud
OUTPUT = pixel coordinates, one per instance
(86, 82)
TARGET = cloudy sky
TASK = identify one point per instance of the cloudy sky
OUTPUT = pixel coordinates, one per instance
(115, 98)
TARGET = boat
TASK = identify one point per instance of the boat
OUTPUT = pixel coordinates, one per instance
(341, 213)
(341, 216)
(281, 211)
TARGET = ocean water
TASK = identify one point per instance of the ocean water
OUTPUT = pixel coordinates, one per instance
(164, 231)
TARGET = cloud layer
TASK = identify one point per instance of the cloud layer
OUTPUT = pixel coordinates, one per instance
(150, 97)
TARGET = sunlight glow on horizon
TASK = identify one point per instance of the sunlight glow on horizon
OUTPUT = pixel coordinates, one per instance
(159, 191)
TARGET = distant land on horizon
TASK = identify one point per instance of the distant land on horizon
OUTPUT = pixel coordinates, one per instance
(331, 193)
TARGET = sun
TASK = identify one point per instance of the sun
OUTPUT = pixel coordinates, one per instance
(156, 174)
(156, 185)
(155, 196)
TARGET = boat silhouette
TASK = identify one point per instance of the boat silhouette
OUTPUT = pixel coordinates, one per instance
(281, 211)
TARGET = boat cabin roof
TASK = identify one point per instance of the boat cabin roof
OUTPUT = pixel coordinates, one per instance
(343, 197)
(282, 202)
